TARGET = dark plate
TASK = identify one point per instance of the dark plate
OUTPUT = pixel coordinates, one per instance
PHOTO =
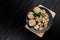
(49, 23)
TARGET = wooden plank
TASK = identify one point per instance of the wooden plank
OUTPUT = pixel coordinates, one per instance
(41, 34)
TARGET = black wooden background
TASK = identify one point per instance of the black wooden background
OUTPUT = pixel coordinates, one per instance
(12, 19)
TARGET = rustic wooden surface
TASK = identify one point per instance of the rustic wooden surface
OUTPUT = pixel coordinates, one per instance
(41, 34)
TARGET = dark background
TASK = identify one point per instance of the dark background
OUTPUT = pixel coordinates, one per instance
(12, 19)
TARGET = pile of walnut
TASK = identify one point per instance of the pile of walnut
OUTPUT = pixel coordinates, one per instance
(38, 19)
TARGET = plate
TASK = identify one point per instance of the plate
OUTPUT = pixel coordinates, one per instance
(49, 22)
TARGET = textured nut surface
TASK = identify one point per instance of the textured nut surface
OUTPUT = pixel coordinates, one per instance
(36, 10)
(30, 15)
(32, 22)
(36, 27)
